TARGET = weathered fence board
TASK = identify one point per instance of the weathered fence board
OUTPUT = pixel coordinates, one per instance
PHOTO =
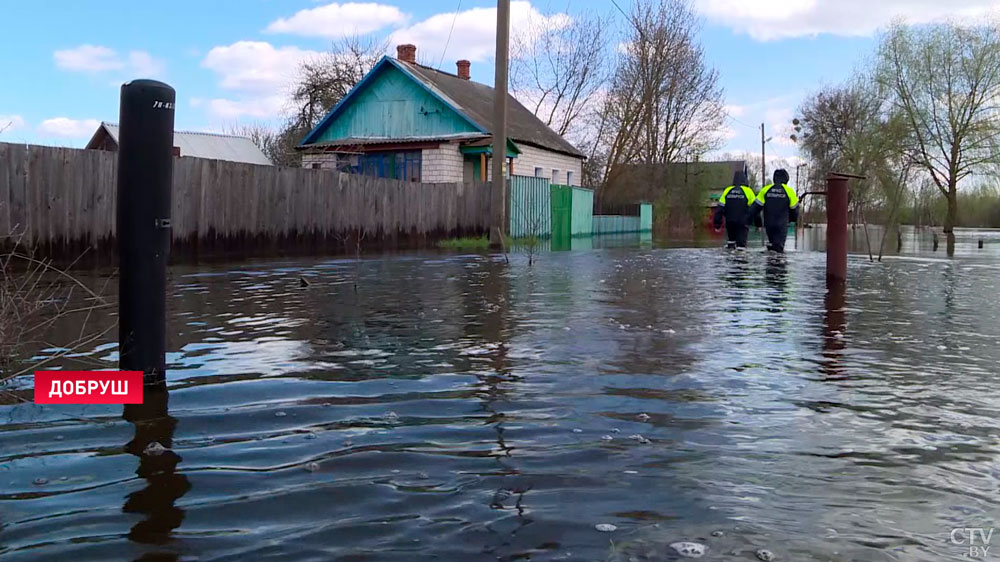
(66, 198)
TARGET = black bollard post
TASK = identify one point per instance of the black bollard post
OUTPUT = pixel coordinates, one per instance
(935, 239)
(980, 243)
(145, 172)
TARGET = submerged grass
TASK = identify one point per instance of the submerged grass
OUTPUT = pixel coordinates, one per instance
(481, 242)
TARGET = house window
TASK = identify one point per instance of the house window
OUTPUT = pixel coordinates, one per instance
(316, 165)
(348, 163)
(569, 177)
(538, 172)
(555, 176)
(393, 165)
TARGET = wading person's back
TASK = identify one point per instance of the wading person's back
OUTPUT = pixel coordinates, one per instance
(734, 208)
(779, 205)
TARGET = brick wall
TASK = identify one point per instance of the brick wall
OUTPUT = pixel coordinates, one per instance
(326, 160)
(441, 164)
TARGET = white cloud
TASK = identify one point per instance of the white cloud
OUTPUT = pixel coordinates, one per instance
(88, 58)
(734, 110)
(257, 73)
(69, 128)
(779, 125)
(94, 59)
(255, 66)
(143, 64)
(339, 20)
(767, 20)
(262, 107)
(10, 123)
(474, 34)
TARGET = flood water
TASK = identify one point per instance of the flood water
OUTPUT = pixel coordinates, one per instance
(456, 407)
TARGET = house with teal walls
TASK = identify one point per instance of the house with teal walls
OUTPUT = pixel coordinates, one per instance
(411, 122)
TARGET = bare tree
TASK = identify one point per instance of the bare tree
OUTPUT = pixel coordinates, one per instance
(856, 129)
(558, 68)
(946, 83)
(322, 82)
(325, 80)
(263, 136)
(665, 103)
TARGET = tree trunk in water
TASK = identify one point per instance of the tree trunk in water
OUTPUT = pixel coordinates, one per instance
(952, 217)
(952, 198)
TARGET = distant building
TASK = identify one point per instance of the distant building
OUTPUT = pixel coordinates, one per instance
(649, 182)
(199, 145)
(412, 122)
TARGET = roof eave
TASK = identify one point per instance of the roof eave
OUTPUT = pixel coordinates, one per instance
(574, 154)
(311, 137)
(95, 140)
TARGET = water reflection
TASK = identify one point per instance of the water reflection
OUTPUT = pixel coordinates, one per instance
(456, 407)
(152, 444)
(776, 277)
(834, 327)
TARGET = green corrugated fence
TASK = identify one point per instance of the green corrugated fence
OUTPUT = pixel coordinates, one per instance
(646, 217)
(582, 223)
(572, 211)
(613, 224)
(530, 207)
(562, 213)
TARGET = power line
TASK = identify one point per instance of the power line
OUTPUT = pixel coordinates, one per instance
(728, 116)
(620, 9)
(453, 20)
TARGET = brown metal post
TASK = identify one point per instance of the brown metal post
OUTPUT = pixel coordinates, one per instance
(836, 228)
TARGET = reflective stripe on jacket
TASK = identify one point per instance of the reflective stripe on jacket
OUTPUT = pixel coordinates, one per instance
(778, 206)
(787, 193)
(735, 204)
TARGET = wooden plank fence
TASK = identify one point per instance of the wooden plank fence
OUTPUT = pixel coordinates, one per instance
(62, 198)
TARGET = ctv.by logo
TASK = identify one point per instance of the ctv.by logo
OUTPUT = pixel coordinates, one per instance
(977, 539)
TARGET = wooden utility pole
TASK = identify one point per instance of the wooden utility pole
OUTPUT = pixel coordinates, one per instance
(498, 195)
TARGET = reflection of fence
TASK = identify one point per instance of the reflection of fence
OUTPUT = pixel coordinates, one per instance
(530, 207)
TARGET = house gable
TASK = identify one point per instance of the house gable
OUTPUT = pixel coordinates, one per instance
(391, 104)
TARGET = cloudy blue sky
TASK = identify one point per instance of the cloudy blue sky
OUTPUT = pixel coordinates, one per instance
(62, 61)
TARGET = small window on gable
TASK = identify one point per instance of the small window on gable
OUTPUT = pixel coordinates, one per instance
(569, 178)
(538, 172)
(555, 176)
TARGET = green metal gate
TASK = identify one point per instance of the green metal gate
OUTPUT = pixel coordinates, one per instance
(562, 215)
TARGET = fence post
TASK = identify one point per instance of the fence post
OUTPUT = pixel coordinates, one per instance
(145, 172)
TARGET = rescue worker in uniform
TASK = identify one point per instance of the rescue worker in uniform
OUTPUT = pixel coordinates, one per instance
(779, 206)
(734, 206)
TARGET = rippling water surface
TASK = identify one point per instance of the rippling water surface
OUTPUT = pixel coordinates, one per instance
(456, 407)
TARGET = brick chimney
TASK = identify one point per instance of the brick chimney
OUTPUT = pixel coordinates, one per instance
(463, 69)
(407, 53)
